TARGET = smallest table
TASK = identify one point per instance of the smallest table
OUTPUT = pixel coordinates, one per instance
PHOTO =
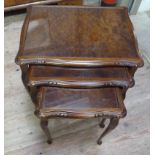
(80, 103)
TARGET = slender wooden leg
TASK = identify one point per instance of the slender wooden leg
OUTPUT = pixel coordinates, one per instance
(102, 125)
(132, 70)
(112, 125)
(124, 90)
(34, 94)
(44, 126)
(124, 94)
(24, 70)
(31, 90)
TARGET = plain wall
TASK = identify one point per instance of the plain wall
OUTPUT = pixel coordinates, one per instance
(144, 6)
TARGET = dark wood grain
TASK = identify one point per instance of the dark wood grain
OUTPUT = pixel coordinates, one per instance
(70, 2)
(79, 77)
(18, 2)
(11, 5)
(78, 36)
(80, 103)
(64, 50)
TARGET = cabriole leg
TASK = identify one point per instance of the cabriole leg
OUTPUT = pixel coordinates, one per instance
(102, 125)
(112, 125)
(24, 76)
(44, 126)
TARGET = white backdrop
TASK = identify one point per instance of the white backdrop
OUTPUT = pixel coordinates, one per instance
(144, 6)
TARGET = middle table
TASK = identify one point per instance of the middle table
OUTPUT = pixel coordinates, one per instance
(79, 77)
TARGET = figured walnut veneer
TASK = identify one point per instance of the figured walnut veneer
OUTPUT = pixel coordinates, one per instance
(78, 36)
(79, 77)
(80, 103)
(63, 102)
(78, 62)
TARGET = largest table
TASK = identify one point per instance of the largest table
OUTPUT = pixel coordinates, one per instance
(78, 36)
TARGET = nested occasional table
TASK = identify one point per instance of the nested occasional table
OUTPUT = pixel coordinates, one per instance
(78, 62)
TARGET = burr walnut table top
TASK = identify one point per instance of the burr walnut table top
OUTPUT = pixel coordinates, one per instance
(79, 77)
(78, 36)
(81, 102)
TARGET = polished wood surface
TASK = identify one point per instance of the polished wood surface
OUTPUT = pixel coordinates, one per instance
(78, 36)
(11, 5)
(70, 2)
(79, 77)
(64, 50)
(80, 103)
(18, 3)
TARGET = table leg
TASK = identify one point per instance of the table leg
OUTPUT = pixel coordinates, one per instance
(31, 90)
(24, 69)
(124, 92)
(44, 126)
(132, 70)
(112, 125)
(102, 125)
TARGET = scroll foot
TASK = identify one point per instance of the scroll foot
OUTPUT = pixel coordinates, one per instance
(112, 125)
